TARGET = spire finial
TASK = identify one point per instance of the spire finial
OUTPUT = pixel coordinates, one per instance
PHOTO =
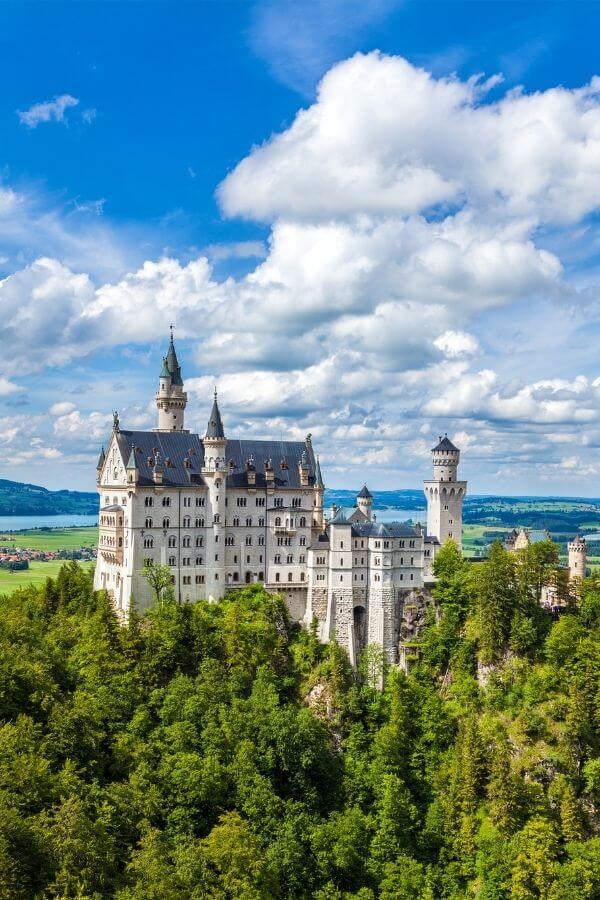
(215, 392)
(171, 327)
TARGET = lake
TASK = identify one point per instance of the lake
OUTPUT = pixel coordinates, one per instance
(20, 523)
(400, 515)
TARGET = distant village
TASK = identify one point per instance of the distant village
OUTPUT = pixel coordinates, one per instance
(16, 558)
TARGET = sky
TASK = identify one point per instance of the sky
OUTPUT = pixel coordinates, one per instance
(372, 220)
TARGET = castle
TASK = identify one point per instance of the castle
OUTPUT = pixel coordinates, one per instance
(223, 512)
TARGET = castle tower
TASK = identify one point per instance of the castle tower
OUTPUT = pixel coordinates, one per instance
(364, 501)
(171, 399)
(445, 494)
(214, 472)
(577, 558)
(319, 519)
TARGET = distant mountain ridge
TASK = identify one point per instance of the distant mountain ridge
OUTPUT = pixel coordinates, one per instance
(19, 499)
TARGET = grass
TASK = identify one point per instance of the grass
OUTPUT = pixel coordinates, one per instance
(55, 539)
(36, 574)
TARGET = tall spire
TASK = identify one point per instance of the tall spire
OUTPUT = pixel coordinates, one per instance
(215, 428)
(318, 476)
(171, 399)
(173, 363)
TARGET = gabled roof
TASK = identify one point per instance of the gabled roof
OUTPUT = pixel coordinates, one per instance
(445, 444)
(182, 458)
(366, 493)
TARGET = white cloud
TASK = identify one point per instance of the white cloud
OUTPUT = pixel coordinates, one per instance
(387, 138)
(8, 387)
(62, 408)
(456, 343)
(49, 111)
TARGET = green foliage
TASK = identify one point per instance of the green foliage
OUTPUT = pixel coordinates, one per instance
(218, 751)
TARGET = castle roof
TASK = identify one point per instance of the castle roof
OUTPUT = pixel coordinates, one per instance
(366, 493)
(172, 364)
(318, 476)
(215, 429)
(101, 460)
(445, 444)
(182, 458)
(385, 529)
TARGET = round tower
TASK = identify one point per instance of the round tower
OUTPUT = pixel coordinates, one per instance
(577, 558)
(214, 472)
(364, 501)
(171, 399)
(445, 493)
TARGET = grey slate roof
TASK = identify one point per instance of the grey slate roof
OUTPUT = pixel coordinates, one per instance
(175, 447)
(214, 429)
(366, 493)
(318, 476)
(101, 459)
(173, 365)
(387, 529)
(445, 444)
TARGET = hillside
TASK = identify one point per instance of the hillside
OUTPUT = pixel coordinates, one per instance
(17, 499)
(215, 750)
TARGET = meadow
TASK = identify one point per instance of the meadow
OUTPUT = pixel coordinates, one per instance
(36, 575)
(52, 540)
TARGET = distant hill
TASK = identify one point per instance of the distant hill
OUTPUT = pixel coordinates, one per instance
(18, 499)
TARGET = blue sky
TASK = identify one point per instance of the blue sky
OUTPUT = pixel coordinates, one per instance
(374, 221)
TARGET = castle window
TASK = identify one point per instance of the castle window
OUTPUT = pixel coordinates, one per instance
(247, 559)
(412, 576)
(186, 541)
(198, 560)
(297, 502)
(446, 506)
(148, 560)
(261, 540)
(261, 522)
(248, 522)
(260, 501)
(276, 576)
(172, 561)
(187, 501)
(166, 501)
(216, 557)
(302, 558)
(187, 579)
(362, 544)
(378, 543)
(278, 502)
(172, 541)
(248, 541)
(199, 579)
(320, 560)
(302, 521)
(377, 561)
(187, 522)
(303, 541)
(241, 501)
(166, 523)
(277, 559)
(341, 577)
(261, 576)
(216, 519)
(148, 523)
(199, 522)
(290, 558)
(290, 576)
(401, 560)
(362, 577)
(148, 543)
(378, 578)
(199, 542)
(341, 545)
(386, 545)
(277, 522)
(260, 559)
(236, 522)
(401, 576)
(187, 561)
(148, 501)
(411, 544)
(199, 501)
(229, 540)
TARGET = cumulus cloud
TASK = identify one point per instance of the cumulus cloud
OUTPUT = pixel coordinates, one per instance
(385, 137)
(456, 343)
(49, 111)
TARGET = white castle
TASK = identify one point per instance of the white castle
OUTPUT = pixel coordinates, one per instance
(223, 513)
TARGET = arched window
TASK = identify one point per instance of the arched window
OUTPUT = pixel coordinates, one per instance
(166, 501)
(277, 559)
(200, 522)
(302, 521)
(186, 541)
(166, 523)
(172, 541)
(199, 542)
(261, 576)
(248, 522)
(277, 522)
(236, 522)
(148, 543)
(172, 561)
(148, 523)
(148, 501)
(199, 560)
(186, 521)
(301, 576)
(290, 576)
(290, 558)
(261, 522)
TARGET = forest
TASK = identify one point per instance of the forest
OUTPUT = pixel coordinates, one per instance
(219, 751)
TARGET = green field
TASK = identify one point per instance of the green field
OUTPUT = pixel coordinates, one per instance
(52, 540)
(35, 574)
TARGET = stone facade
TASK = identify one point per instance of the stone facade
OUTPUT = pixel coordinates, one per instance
(223, 513)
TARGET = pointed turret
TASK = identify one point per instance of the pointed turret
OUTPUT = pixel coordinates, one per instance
(214, 429)
(171, 399)
(101, 460)
(318, 477)
(364, 501)
(132, 468)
